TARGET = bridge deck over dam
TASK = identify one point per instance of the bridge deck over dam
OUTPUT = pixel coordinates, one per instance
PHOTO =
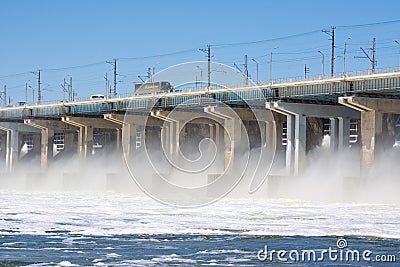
(299, 109)
(386, 84)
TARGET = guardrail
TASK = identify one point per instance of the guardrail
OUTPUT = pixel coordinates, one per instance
(322, 87)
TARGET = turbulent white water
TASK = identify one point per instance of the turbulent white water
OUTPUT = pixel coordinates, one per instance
(106, 214)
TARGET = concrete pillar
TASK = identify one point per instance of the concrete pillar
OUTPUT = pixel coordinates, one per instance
(300, 144)
(47, 128)
(46, 142)
(165, 137)
(340, 134)
(129, 139)
(232, 135)
(334, 132)
(212, 131)
(46, 152)
(290, 144)
(343, 133)
(217, 134)
(296, 114)
(13, 130)
(69, 143)
(371, 138)
(278, 121)
(172, 135)
(81, 138)
(3, 143)
(88, 144)
(119, 139)
(371, 110)
(85, 134)
(13, 149)
(268, 128)
(128, 124)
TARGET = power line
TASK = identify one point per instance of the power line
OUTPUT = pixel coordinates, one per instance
(266, 40)
(332, 35)
(369, 24)
(208, 52)
(75, 67)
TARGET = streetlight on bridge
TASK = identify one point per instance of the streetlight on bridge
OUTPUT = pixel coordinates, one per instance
(256, 69)
(270, 65)
(344, 55)
(323, 63)
(201, 77)
(397, 42)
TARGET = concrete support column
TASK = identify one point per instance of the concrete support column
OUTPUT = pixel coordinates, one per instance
(127, 132)
(3, 146)
(278, 132)
(129, 139)
(334, 132)
(88, 144)
(340, 134)
(13, 131)
(371, 110)
(85, 135)
(296, 115)
(119, 139)
(12, 153)
(290, 144)
(46, 142)
(232, 136)
(212, 131)
(165, 137)
(371, 138)
(69, 144)
(46, 152)
(265, 128)
(172, 135)
(343, 134)
(217, 134)
(300, 144)
(81, 138)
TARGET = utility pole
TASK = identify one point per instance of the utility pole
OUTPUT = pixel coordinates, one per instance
(5, 95)
(68, 88)
(26, 92)
(115, 77)
(208, 52)
(39, 98)
(114, 63)
(64, 89)
(71, 89)
(372, 58)
(373, 54)
(108, 93)
(270, 69)
(332, 35)
(270, 66)
(256, 69)
(208, 67)
(306, 71)
(149, 76)
(246, 70)
(39, 91)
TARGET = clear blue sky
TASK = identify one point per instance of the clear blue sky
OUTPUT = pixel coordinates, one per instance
(54, 35)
